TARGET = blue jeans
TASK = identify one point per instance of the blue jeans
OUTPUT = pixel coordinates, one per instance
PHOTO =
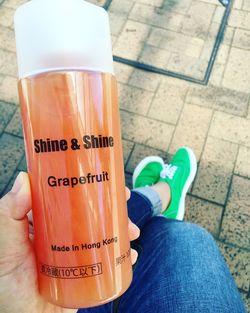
(179, 268)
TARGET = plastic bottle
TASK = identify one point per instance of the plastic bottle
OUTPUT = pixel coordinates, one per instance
(71, 124)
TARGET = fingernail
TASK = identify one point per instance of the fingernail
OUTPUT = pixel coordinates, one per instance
(17, 184)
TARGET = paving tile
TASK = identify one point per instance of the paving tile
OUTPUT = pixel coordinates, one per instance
(156, 35)
(159, 17)
(146, 131)
(243, 162)
(145, 80)
(13, 3)
(3, 54)
(123, 72)
(239, 19)
(217, 75)
(8, 63)
(218, 15)
(116, 23)
(172, 21)
(121, 7)
(168, 80)
(241, 39)
(210, 41)
(218, 98)
(237, 75)
(246, 300)
(195, 23)
(11, 182)
(191, 46)
(204, 213)
(215, 170)
(236, 220)
(134, 99)
(7, 39)
(133, 35)
(127, 148)
(246, 5)
(8, 89)
(113, 39)
(6, 112)
(11, 152)
(228, 35)
(232, 128)
(171, 5)
(176, 6)
(194, 47)
(210, 1)
(140, 152)
(168, 102)
(155, 3)
(98, 2)
(213, 31)
(175, 42)
(207, 50)
(186, 65)
(6, 16)
(15, 126)
(155, 56)
(22, 166)
(237, 4)
(192, 129)
(223, 53)
(128, 180)
(239, 265)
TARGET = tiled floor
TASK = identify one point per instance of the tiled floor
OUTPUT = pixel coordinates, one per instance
(172, 35)
(160, 113)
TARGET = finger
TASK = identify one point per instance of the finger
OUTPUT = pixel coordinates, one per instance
(17, 203)
(128, 193)
(133, 231)
(134, 256)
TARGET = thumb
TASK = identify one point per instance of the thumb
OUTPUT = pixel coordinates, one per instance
(14, 236)
(17, 203)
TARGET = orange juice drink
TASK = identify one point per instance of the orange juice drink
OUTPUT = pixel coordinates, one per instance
(73, 147)
(74, 156)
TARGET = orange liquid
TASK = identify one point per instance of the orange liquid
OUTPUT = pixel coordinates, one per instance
(79, 206)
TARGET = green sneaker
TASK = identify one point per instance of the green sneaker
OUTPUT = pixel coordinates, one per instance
(179, 175)
(147, 172)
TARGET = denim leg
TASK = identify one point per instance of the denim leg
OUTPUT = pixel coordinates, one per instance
(180, 270)
(142, 205)
(106, 308)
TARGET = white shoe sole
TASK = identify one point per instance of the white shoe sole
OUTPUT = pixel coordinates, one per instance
(144, 163)
(193, 170)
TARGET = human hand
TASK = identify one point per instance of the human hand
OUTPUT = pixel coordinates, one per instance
(18, 274)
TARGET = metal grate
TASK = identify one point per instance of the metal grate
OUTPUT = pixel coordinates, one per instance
(206, 73)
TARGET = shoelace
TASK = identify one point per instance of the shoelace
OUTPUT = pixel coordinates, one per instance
(168, 171)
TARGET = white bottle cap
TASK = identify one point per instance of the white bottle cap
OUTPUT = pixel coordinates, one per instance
(56, 35)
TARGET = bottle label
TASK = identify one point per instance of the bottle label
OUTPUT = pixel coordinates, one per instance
(75, 162)
(88, 142)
